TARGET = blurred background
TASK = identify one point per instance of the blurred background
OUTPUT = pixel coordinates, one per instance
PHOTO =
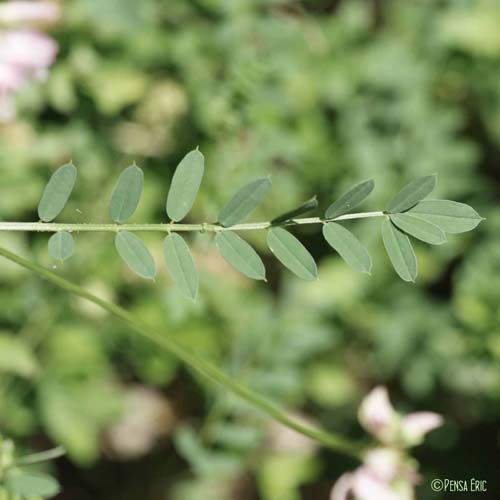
(321, 95)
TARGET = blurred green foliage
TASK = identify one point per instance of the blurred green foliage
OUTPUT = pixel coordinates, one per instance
(321, 95)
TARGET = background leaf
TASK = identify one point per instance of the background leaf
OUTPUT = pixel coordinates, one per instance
(348, 247)
(135, 254)
(57, 192)
(185, 185)
(292, 253)
(127, 194)
(400, 251)
(450, 216)
(61, 245)
(239, 254)
(419, 228)
(245, 201)
(309, 205)
(181, 265)
(412, 193)
(32, 485)
(350, 199)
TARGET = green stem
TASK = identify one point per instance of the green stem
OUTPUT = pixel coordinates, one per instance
(53, 227)
(203, 367)
(43, 456)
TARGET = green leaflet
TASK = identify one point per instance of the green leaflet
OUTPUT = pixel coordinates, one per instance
(127, 194)
(61, 245)
(244, 202)
(292, 253)
(181, 265)
(450, 216)
(237, 252)
(400, 251)
(185, 185)
(348, 247)
(309, 205)
(350, 199)
(412, 193)
(419, 228)
(135, 254)
(57, 192)
(32, 485)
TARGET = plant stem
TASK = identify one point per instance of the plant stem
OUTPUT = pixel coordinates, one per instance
(53, 227)
(203, 367)
(43, 456)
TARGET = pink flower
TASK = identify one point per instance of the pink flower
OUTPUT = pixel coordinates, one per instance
(28, 50)
(415, 426)
(27, 12)
(387, 472)
(377, 415)
(25, 54)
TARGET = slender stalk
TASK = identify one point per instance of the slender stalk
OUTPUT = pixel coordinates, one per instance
(43, 456)
(53, 227)
(203, 367)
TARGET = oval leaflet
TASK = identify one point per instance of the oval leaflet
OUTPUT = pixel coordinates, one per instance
(239, 254)
(244, 202)
(412, 193)
(61, 245)
(57, 192)
(350, 199)
(135, 254)
(400, 251)
(127, 194)
(292, 253)
(181, 265)
(185, 185)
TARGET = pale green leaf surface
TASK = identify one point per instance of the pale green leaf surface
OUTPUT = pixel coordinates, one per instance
(239, 254)
(61, 245)
(127, 194)
(292, 253)
(245, 201)
(135, 254)
(57, 192)
(185, 185)
(412, 193)
(350, 200)
(181, 265)
(400, 251)
(32, 485)
(348, 247)
(309, 205)
(419, 228)
(449, 216)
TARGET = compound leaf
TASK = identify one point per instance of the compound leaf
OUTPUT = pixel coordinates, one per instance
(185, 185)
(348, 247)
(32, 485)
(419, 228)
(127, 194)
(61, 245)
(400, 251)
(245, 201)
(412, 193)
(57, 192)
(449, 216)
(181, 265)
(350, 199)
(292, 253)
(135, 254)
(239, 254)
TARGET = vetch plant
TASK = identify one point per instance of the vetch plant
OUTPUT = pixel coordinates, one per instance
(409, 213)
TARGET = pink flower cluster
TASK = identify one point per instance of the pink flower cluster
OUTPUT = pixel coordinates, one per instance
(25, 53)
(387, 473)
